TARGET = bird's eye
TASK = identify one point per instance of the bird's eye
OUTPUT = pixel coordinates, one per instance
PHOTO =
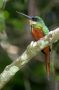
(34, 19)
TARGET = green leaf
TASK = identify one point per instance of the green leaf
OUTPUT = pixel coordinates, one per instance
(6, 14)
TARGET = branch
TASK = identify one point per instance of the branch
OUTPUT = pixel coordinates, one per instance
(32, 50)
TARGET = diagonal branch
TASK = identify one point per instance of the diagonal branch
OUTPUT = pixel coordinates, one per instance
(32, 50)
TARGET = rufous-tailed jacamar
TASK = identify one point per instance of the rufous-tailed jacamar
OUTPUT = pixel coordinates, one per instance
(38, 31)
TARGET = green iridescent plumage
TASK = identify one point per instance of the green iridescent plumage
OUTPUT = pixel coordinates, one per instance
(40, 24)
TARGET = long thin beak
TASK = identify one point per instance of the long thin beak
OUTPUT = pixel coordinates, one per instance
(29, 17)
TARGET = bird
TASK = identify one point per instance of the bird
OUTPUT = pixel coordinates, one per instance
(38, 31)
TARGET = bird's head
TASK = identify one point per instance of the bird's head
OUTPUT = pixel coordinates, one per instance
(34, 20)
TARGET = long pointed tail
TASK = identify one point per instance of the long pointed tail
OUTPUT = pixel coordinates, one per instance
(47, 61)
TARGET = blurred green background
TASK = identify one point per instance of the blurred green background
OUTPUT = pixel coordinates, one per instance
(15, 35)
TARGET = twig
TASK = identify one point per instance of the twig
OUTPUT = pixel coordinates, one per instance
(32, 50)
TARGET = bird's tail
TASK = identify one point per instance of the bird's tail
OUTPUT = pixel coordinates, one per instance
(47, 57)
(47, 61)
